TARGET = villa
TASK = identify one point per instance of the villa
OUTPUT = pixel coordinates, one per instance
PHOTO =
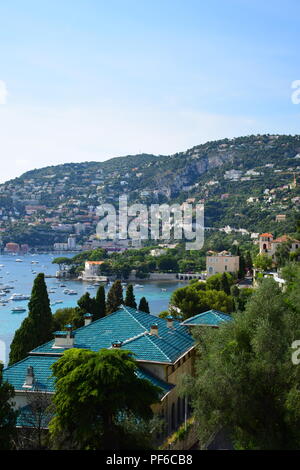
(164, 349)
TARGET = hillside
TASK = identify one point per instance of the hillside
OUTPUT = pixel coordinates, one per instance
(244, 182)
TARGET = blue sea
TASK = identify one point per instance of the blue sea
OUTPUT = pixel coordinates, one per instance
(21, 275)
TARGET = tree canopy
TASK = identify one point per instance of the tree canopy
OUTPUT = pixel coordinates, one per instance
(245, 379)
(96, 393)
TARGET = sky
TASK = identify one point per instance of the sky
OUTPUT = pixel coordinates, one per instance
(87, 80)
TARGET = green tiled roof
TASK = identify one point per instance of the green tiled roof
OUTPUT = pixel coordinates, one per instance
(209, 318)
(131, 327)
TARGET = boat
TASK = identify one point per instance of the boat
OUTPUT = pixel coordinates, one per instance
(66, 291)
(62, 285)
(19, 297)
(18, 309)
(34, 262)
(164, 290)
(72, 292)
(138, 285)
(18, 260)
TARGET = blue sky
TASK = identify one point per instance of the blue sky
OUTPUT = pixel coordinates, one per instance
(90, 79)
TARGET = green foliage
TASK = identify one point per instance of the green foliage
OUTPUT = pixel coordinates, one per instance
(245, 379)
(282, 254)
(8, 415)
(114, 297)
(194, 299)
(96, 394)
(263, 262)
(100, 307)
(143, 305)
(130, 297)
(65, 316)
(37, 327)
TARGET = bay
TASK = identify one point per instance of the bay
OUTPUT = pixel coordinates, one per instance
(21, 274)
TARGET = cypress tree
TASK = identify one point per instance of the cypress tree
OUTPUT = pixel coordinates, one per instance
(130, 297)
(86, 303)
(36, 328)
(143, 305)
(100, 308)
(224, 284)
(114, 297)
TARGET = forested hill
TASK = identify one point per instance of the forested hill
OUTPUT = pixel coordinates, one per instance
(245, 182)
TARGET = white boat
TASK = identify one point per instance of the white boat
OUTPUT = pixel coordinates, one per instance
(34, 262)
(66, 291)
(18, 309)
(19, 297)
(18, 260)
(72, 292)
(138, 285)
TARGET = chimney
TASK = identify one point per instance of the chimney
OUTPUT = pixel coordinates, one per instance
(170, 323)
(64, 339)
(116, 344)
(88, 318)
(29, 379)
(154, 329)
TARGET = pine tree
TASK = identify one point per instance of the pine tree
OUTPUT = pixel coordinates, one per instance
(100, 303)
(130, 297)
(143, 305)
(36, 328)
(7, 414)
(114, 297)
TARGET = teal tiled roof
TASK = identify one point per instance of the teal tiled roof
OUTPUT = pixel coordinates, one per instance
(27, 418)
(209, 318)
(132, 328)
(16, 373)
(165, 386)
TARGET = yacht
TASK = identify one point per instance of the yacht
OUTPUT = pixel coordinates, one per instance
(18, 260)
(72, 292)
(18, 309)
(19, 297)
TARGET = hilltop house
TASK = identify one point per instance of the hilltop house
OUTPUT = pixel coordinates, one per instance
(163, 347)
(268, 245)
(223, 262)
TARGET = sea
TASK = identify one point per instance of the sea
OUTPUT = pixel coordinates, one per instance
(19, 272)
